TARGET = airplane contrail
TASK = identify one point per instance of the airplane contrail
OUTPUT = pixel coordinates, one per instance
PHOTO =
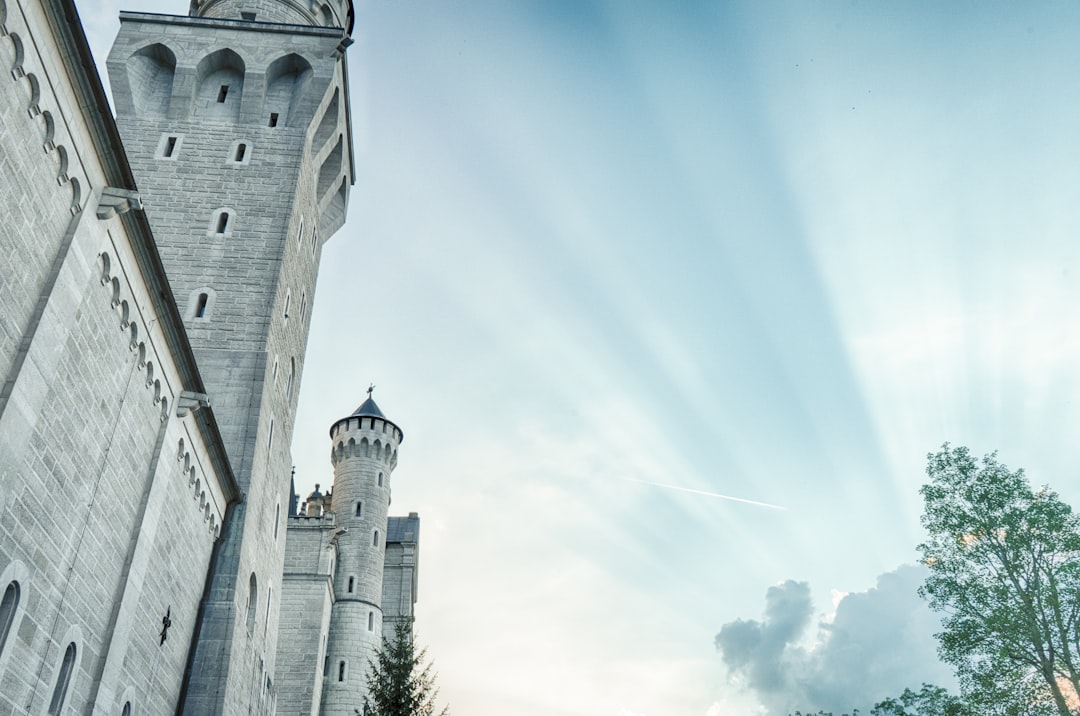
(707, 494)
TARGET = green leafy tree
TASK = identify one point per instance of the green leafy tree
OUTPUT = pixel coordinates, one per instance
(1004, 566)
(400, 680)
(928, 701)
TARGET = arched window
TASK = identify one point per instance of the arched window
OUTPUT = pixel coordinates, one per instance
(253, 600)
(63, 680)
(200, 305)
(127, 709)
(222, 223)
(371, 621)
(292, 377)
(8, 606)
(359, 509)
(341, 670)
(350, 585)
(375, 539)
(380, 479)
(241, 151)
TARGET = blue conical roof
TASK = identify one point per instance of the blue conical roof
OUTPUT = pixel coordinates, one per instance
(369, 409)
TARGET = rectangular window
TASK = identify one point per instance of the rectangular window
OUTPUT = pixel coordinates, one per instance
(247, 15)
(170, 146)
(273, 119)
(223, 93)
(241, 150)
(359, 508)
(341, 671)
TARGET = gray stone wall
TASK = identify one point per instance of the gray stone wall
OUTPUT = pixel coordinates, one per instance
(306, 603)
(107, 523)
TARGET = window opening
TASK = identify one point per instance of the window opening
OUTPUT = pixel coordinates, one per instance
(200, 306)
(253, 595)
(288, 302)
(222, 93)
(63, 680)
(359, 508)
(247, 15)
(341, 671)
(375, 539)
(350, 585)
(273, 119)
(371, 621)
(127, 709)
(222, 222)
(241, 150)
(303, 305)
(8, 605)
(170, 146)
(270, 438)
(380, 479)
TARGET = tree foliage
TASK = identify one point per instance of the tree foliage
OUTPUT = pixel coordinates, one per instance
(400, 680)
(928, 701)
(1004, 566)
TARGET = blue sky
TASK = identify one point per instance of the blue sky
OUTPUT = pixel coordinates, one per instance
(774, 251)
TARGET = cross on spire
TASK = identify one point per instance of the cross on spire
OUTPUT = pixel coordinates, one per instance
(371, 389)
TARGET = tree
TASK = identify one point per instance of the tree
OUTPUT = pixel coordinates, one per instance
(928, 701)
(1004, 566)
(400, 679)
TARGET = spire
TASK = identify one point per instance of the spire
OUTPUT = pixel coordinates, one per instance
(368, 408)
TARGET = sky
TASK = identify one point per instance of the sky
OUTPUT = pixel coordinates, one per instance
(613, 264)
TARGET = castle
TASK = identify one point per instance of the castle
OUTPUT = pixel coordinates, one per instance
(156, 279)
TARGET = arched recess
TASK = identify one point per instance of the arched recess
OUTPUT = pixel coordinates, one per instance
(150, 73)
(333, 215)
(331, 168)
(219, 86)
(327, 125)
(253, 601)
(287, 79)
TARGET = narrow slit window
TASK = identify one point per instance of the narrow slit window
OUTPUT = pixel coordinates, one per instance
(288, 302)
(170, 147)
(371, 621)
(270, 437)
(241, 150)
(341, 671)
(222, 93)
(200, 305)
(8, 605)
(350, 585)
(375, 539)
(359, 509)
(303, 305)
(63, 680)
(223, 222)
(273, 119)
(380, 479)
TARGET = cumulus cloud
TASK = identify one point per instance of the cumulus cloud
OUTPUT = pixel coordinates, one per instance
(879, 642)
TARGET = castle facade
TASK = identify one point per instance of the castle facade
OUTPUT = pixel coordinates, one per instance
(156, 279)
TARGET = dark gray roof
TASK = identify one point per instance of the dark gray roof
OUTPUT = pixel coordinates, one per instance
(369, 409)
(403, 529)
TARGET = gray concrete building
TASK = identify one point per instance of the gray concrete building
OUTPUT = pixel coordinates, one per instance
(156, 278)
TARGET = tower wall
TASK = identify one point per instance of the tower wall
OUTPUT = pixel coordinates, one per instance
(238, 135)
(364, 454)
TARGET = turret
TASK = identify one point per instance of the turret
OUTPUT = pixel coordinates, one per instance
(364, 454)
(328, 13)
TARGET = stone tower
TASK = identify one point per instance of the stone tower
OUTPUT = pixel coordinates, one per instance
(364, 454)
(236, 123)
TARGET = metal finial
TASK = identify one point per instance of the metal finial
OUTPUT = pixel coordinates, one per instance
(371, 389)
